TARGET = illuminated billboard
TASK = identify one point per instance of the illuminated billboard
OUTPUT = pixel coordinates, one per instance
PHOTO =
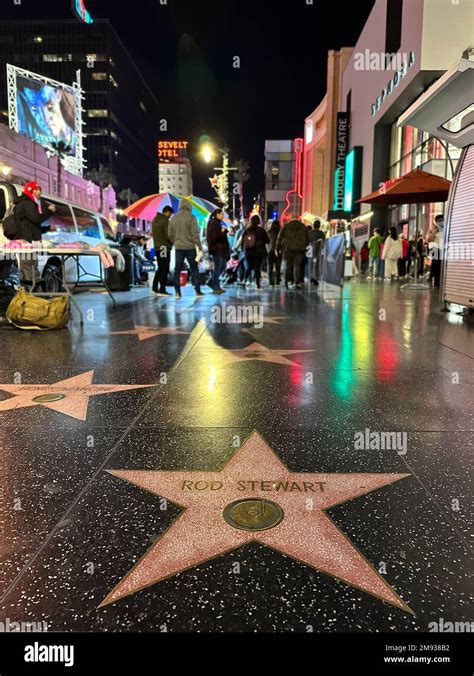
(172, 150)
(47, 112)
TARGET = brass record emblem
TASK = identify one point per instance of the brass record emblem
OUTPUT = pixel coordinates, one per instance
(49, 398)
(253, 514)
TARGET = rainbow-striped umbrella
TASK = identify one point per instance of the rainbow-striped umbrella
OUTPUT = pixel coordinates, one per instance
(147, 207)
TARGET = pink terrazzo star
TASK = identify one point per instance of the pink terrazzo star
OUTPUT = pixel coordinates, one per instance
(72, 395)
(258, 352)
(305, 533)
(147, 332)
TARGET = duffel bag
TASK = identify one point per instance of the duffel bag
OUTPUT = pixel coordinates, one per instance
(30, 312)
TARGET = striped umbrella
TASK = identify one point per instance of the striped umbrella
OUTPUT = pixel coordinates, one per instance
(147, 207)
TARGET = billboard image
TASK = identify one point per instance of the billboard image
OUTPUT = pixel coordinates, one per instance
(47, 112)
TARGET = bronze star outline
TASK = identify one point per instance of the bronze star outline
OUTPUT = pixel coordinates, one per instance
(324, 546)
(77, 391)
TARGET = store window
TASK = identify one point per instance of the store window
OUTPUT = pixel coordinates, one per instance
(99, 76)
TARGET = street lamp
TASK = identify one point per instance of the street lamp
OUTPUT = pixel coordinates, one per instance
(208, 153)
(5, 170)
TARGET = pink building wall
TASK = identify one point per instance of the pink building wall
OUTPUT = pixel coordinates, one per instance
(29, 161)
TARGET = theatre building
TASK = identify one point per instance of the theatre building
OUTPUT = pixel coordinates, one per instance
(387, 71)
(320, 147)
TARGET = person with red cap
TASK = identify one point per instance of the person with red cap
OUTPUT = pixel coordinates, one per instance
(30, 213)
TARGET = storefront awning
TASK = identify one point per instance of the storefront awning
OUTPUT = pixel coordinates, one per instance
(417, 187)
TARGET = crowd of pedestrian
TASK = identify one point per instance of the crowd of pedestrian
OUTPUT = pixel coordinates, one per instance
(240, 255)
(395, 257)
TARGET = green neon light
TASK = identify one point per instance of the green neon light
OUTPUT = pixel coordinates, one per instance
(349, 181)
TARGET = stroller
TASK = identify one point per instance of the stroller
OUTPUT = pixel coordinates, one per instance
(231, 271)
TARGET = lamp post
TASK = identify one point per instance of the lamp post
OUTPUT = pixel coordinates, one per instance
(208, 152)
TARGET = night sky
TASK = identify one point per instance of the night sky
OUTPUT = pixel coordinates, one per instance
(185, 50)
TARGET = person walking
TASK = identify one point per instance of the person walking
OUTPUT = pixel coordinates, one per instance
(364, 258)
(293, 240)
(392, 252)
(183, 233)
(375, 243)
(317, 239)
(403, 261)
(30, 213)
(254, 241)
(163, 247)
(274, 255)
(218, 246)
(435, 239)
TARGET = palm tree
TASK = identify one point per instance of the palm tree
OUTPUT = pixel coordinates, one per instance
(127, 195)
(103, 178)
(60, 150)
(242, 176)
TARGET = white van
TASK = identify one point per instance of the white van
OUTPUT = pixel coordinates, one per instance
(70, 223)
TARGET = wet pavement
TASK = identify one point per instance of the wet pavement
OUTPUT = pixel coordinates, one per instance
(170, 466)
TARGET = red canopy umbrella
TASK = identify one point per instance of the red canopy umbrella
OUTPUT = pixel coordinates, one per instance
(417, 187)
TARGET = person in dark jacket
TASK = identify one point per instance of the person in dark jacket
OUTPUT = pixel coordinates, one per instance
(294, 241)
(218, 246)
(163, 248)
(30, 212)
(254, 241)
(317, 239)
(274, 255)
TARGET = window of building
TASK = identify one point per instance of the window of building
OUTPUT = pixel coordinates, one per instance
(96, 57)
(38, 39)
(113, 81)
(393, 29)
(143, 107)
(99, 76)
(96, 112)
(54, 58)
(86, 223)
(114, 135)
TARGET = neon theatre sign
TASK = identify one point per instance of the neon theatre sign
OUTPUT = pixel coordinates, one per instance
(393, 83)
(81, 12)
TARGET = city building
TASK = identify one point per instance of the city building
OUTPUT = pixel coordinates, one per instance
(175, 169)
(120, 112)
(388, 70)
(283, 179)
(320, 148)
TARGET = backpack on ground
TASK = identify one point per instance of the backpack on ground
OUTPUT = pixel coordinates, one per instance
(30, 312)
(250, 240)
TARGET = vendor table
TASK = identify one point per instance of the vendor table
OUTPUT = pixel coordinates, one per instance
(64, 255)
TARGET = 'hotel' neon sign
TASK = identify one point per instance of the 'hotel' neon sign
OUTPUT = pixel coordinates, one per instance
(81, 12)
